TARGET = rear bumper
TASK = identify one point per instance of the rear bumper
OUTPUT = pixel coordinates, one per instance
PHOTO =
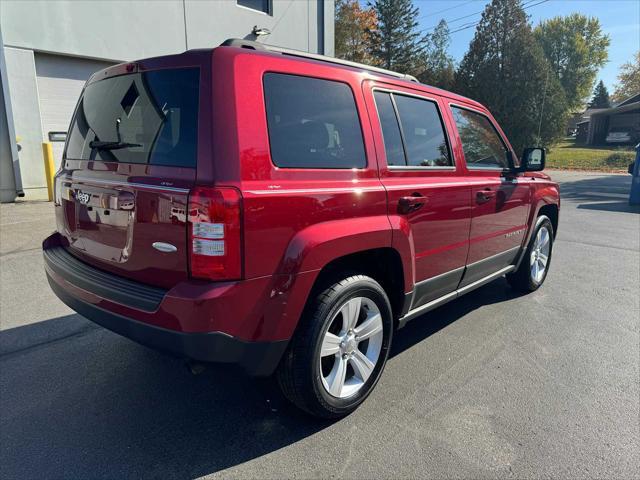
(256, 358)
(99, 296)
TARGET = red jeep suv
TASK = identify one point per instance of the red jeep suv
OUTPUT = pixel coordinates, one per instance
(286, 212)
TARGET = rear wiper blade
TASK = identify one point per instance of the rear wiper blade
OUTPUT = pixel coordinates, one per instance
(118, 144)
(112, 145)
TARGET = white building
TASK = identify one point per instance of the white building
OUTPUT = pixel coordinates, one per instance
(48, 48)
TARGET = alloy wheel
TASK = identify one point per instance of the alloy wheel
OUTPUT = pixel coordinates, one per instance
(539, 259)
(351, 347)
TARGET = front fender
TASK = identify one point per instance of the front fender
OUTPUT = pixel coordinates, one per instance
(542, 195)
(548, 194)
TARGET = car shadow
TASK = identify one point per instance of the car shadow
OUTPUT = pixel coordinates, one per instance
(623, 207)
(78, 401)
(82, 402)
(422, 327)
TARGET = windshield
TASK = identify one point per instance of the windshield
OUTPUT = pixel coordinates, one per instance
(148, 117)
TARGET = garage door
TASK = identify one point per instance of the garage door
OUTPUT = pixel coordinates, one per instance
(60, 81)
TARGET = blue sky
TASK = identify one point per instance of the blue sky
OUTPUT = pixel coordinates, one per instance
(619, 18)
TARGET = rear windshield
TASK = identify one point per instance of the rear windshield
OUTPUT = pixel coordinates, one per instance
(148, 117)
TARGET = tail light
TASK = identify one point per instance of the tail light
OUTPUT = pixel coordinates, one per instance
(214, 233)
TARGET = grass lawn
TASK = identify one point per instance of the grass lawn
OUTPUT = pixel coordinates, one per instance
(566, 154)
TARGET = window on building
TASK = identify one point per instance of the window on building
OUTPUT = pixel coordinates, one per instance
(312, 123)
(259, 5)
(483, 147)
(390, 129)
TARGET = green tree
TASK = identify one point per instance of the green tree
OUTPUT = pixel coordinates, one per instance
(576, 48)
(438, 66)
(600, 97)
(506, 70)
(628, 80)
(395, 42)
(353, 25)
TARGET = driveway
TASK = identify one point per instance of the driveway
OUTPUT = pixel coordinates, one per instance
(492, 385)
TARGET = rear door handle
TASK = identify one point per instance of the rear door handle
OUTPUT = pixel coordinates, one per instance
(411, 203)
(484, 196)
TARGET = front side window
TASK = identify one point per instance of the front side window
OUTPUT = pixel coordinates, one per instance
(483, 147)
(259, 5)
(149, 117)
(412, 130)
(312, 123)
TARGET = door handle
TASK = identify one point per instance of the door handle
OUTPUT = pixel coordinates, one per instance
(411, 203)
(484, 196)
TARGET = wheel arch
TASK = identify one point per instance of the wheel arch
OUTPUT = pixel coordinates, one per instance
(551, 211)
(548, 204)
(357, 245)
(383, 264)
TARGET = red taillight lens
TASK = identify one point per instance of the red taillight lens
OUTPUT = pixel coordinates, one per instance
(214, 233)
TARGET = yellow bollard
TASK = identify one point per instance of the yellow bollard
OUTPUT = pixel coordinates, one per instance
(49, 167)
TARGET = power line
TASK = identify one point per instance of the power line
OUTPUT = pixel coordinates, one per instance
(284, 12)
(446, 9)
(468, 25)
(525, 6)
(454, 20)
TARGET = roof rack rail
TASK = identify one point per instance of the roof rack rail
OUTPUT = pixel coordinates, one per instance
(242, 43)
(236, 42)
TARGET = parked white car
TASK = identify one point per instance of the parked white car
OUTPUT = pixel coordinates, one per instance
(619, 136)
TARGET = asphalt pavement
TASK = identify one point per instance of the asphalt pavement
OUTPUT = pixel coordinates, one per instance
(493, 385)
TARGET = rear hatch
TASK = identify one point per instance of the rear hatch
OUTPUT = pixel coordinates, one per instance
(129, 164)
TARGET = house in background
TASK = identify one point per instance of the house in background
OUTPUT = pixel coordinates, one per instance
(49, 49)
(579, 118)
(624, 117)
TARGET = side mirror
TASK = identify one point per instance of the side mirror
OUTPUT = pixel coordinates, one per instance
(533, 159)
(631, 167)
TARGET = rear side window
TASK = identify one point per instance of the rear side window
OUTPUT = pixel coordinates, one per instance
(312, 123)
(390, 129)
(423, 132)
(149, 117)
(483, 147)
(420, 127)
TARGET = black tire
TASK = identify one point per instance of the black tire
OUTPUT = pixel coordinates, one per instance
(300, 372)
(523, 279)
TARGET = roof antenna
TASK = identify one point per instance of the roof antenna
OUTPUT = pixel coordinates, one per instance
(260, 32)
